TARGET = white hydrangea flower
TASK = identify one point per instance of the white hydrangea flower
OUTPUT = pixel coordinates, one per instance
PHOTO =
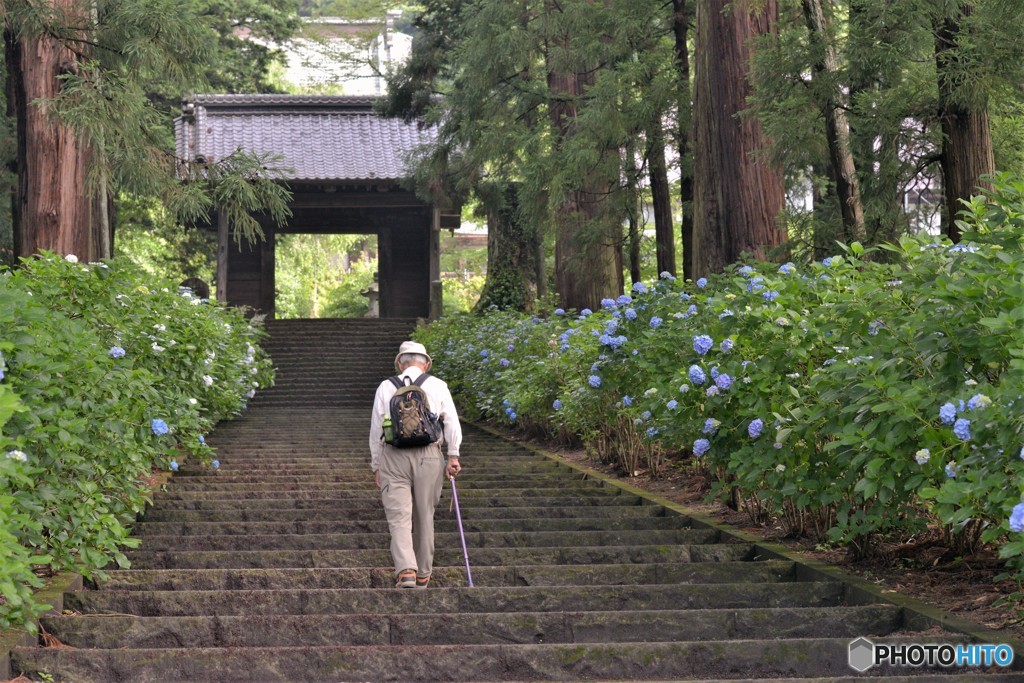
(70, 258)
(207, 380)
(157, 348)
(17, 455)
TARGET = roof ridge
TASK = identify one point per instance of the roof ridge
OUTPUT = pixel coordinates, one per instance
(285, 100)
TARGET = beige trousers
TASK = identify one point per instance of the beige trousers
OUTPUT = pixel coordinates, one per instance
(410, 480)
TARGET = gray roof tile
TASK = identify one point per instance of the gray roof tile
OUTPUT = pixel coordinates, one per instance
(318, 137)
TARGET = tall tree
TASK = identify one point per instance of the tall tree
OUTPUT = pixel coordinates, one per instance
(88, 85)
(661, 201)
(681, 15)
(967, 155)
(50, 209)
(738, 193)
(837, 128)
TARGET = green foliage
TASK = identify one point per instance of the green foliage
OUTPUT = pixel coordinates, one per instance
(106, 376)
(851, 397)
(324, 275)
(150, 238)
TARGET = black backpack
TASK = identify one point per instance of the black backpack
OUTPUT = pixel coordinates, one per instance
(411, 422)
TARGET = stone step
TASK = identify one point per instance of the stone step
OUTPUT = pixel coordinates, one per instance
(569, 494)
(331, 502)
(333, 512)
(621, 626)
(760, 659)
(446, 577)
(462, 600)
(545, 485)
(224, 559)
(379, 526)
(475, 540)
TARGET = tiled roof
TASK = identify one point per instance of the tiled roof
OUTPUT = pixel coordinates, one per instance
(323, 137)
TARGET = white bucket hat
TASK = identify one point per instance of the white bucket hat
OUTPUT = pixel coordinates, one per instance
(412, 347)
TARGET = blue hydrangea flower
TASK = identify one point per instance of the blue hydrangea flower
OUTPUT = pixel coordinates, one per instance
(672, 405)
(627, 400)
(697, 375)
(951, 469)
(511, 347)
(665, 275)
(619, 341)
(787, 268)
(746, 271)
(702, 343)
(770, 295)
(630, 314)
(947, 413)
(656, 322)
(714, 372)
(646, 415)
(605, 340)
(978, 401)
(114, 352)
(504, 362)
(723, 382)
(726, 345)
(702, 282)
(827, 262)
(652, 432)
(711, 391)
(922, 456)
(559, 311)
(962, 429)
(174, 465)
(725, 314)
(557, 405)
(755, 427)
(1017, 518)
(158, 426)
(485, 353)
(216, 464)
(611, 326)
(595, 381)
(202, 439)
(607, 303)
(700, 447)
(512, 415)
(755, 284)
(873, 327)
(639, 288)
(1022, 452)
(585, 312)
(710, 426)
(624, 300)
(962, 248)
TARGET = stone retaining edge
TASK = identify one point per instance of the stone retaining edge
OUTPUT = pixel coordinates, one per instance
(917, 615)
(52, 594)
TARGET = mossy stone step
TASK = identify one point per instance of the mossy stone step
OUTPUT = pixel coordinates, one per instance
(726, 596)
(451, 556)
(370, 491)
(145, 529)
(333, 512)
(475, 540)
(621, 626)
(444, 577)
(547, 485)
(323, 501)
(760, 659)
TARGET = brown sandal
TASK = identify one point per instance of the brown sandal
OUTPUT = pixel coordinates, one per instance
(406, 579)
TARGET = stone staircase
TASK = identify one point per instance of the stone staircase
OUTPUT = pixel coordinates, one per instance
(276, 568)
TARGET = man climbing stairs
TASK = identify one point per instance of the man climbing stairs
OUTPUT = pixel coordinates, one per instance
(276, 567)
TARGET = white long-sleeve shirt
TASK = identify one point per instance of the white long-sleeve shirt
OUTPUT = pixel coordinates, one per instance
(441, 404)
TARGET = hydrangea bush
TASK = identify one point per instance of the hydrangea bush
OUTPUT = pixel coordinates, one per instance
(851, 398)
(105, 376)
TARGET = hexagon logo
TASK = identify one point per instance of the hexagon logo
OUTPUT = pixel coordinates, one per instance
(862, 655)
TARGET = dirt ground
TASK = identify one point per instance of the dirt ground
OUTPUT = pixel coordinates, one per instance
(924, 569)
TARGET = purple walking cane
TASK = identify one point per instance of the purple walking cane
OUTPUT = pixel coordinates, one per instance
(462, 535)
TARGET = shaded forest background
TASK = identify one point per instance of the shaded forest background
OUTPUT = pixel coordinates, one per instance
(769, 127)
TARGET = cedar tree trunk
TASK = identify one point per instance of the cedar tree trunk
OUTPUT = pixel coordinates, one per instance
(737, 195)
(52, 206)
(966, 139)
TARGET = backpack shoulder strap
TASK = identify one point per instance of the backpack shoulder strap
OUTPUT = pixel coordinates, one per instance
(421, 379)
(397, 381)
